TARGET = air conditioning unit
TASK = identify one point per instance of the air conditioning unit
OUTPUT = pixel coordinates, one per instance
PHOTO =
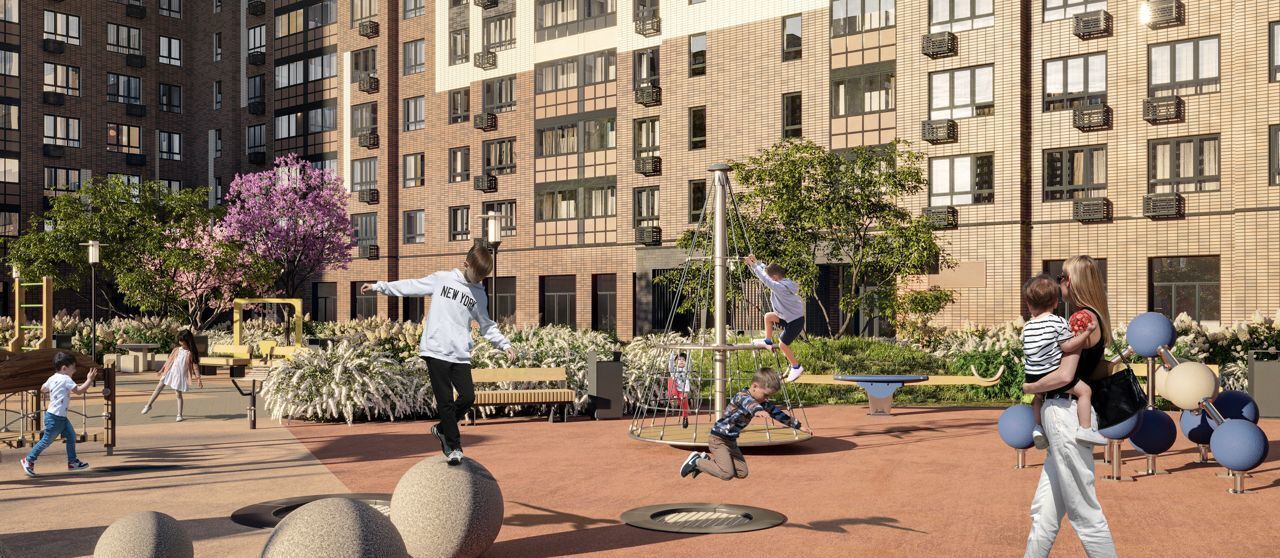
(135, 61)
(1091, 118)
(1091, 210)
(486, 121)
(368, 29)
(486, 60)
(649, 25)
(54, 150)
(649, 236)
(369, 84)
(135, 11)
(54, 46)
(53, 98)
(1092, 25)
(649, 95)
(135, 160)
(369, 139)
(939, 131)
(649, 166)
(486, 183)
(369, 196)
(369, 251)
(134, 109)
(1167, 13)
(940, 45)
(258, 157)
(257, 58)
(942, 217)
(1160, 110)
(257, 7)
(1164, 206)
(257, 107)
(486, 4)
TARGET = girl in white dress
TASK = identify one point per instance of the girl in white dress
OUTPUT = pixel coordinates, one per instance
(179, 371)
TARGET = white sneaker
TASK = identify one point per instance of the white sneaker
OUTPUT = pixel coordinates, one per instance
(1039, 439)
(455, 457)
(796, 371)
(764, 343)
(146, 409)
(179, 419)
(1090, 436)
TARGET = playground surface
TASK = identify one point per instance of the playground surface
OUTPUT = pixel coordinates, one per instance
(924, 482)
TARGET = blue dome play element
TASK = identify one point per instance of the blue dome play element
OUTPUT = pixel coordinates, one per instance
(1197, 427)
(1235, 404)
(1015, 426)
(1121, 430)
(1148, 331)
(1239, 445)
(1155, 433)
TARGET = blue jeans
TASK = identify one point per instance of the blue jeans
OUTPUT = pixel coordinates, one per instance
(53, 426)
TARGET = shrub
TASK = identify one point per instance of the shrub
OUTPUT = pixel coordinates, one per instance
(348, 382)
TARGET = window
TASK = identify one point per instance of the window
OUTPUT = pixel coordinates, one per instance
(415, 57)
(557, 205)
(324, 302)
(855, 16)
(170, 51)
(551, 13)
(500, 157)
(60, 26)
(414, 8)
(323, 119)
(366, 228)
(171, 185)
(171, 8)
(363, 305)
(503, 294)
(254, 88)
(255, 139)
(559, 300)
(600, 201)
(792, 32)
(217, 6)
(61, 130)
(698, 55)
(499, 32)
(557, 140)
(1183, 68)
(1186, 284)
(413, 306)
(459, 222)
(1075, 82)
(647, 138)
(414, 119)
(697, 200)
(9, 63)
(604, 302)
(599, 135)
(961, 93)
(698, 128)
(322, 13)
(507, 221)
(170, 146)
(302, 71)
(413, 224)
(459, 47)
(967, 179)
(459, 164)
(556, 76)
(217, 47)
(59, 180)
(217, 143)
(959, 15)
(1274, 134)
(9, 117)
(124, 89)
(363, 10)
(364, 174)
(411, 169)
(364, 118)
(500, 94)
(9, 11)
(364, 63)
(599, 67)
(1074, 172)
(258, 39)
(122, 138)
(125, 178)
(865, 89)
(217, 95)
(62, 79)
(1063, 9)
(170, 98)
(1053, 268)
(1188, 164)
(792, 116)
(124, 39)
(1274, 72)
(460, 105)
(645, 69)
(646, 207)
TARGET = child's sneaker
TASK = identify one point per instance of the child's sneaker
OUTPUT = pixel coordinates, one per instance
(77, 465)
(690, 465)
(28, 467)
(796, 371)
(763, 343)
(146, 409)
(455, 457)
(684, 422)
(1039, 439)
(1089, 436)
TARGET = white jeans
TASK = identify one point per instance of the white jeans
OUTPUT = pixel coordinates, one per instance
(1066, 486)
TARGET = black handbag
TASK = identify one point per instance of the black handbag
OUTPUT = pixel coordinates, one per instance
(1117, 397)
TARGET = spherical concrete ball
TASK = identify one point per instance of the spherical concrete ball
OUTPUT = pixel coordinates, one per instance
(1188, 384)
(1155, 434)
(1148, 331)
(144, 535)
(1197, 427)
(1015, 426)
(336, 528)
(1122, 429)
(1234, 404)
(1239, 445)
(447, 511)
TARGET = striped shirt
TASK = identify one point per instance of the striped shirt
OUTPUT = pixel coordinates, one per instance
(737, 415)
(1042, 339)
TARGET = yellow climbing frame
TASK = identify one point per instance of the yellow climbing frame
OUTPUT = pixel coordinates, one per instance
(20, 306)
(238, 310)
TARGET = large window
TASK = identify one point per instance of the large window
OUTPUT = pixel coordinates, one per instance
(698, 55)
(316, 15)
(647, 137)
(646, 207)
(792, 116)
(324, 302)
(645, 68)
(170, 98)
(170, 51)
(62, 79)
(555, 76)
(697, 128)
(1075, 82)
(792, 37)
(9, 117)
(967, 179)
(1074, 172)
(171, 8)
(255, 139)
(500, 156)
(363, 305)
(459, 47)
(414, 8)
(60, 181)
(364, 174)
(124, 138)
(855, 16)
(1063, 9)
(559, 300)
(459, 105)
(865, 89)
(961, 93)
(61, 130)
(364, 63)
(363, 10)
(1187, 164)
(500, 94)
(1274, 165)
(170, 146)
(599, 67)
(599, 135)
(302, 71)
(604, 302)
(124, 39)
(9, 11)
(557, 205)
(413, 227)
(414, 119)
(1274, 68)
(960, 15)
(507, 221)
(459, 164)
(411, 170)
(500, 32)
(63, 27)
(697, 199)
(10, 63)
(557, 140)
(366, 228)
(1188, 285)
(258, 38)
(415, 57)
(460, 223)
(124, 89)
(1183, 67)
(600, 201)
(364, 118)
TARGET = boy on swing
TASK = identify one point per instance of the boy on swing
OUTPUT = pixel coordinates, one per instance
(788, 311)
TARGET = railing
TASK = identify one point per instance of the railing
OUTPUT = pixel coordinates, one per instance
(1092, 25)
(940, 45)
(1157, 110)
(939, 131)
(1091, 117)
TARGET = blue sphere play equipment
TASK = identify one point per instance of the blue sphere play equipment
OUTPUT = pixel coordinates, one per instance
(1155, 433)
(1148, 332)
(1234, 404)
(1197, 427)
(1239, 445)
(1123, 429)
(1015, 426)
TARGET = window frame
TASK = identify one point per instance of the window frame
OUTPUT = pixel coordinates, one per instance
(169, 97)
(1273, 132)
(1066, 191)
(259, 130)
(64, 72)
(604, 302)
(639, 203)
(647, 61)
(957, 25)
(58, 180)
(1197, 314)
(697, 141)
(459, 46)
(796, 52)
(978, 109)
(119, 86)
(504, 32)
(1273, 49)
(415, 234)
(459, 223)
(697, 187)
(414, 105)
(501, 149)
(853, 24)
(1198, 182)
(494, 92)
(364, 174)
(507, 223)
(850, 89)
(362, 11)
(698, 57)
(1197, 85)
(415, 57)
(650, 129)
(66, 27)
(459, 155)
(414, 174)
(170, 51)
(793, 129)
(132, 39)
(1069, 8)
(460, 99)
(414, 8)
(124, 132)
(1067, 100)
(566, 294)
(978, 196)
(66, 130)
(174, 141)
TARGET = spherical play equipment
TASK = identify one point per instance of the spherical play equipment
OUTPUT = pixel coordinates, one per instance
(1188, 384)
(1235, 404)
(144, 535)
(1122, 429)
(1239, 445)
(447, 511)
(1150, 331)
(1112, 453)
(1155, 434)
(337, 527)
(1196, 427)
(1015, 426)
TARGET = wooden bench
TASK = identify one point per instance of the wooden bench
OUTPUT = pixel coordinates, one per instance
(234, 357)
(523, 396)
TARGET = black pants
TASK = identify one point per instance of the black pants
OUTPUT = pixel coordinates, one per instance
(446, 377)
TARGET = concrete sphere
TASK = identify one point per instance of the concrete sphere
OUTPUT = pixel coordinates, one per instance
(1239, 445)
(1197, 427)
(1148, 331)
(447, 511)
(144, 535)
(1155, 434)
(335, 528)
(1188, 384)
(1015, 426)
(1234, 404)
(1122, 429)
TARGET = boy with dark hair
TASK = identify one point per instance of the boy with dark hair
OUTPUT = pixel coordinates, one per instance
(457, 298)
(1045, 337)
(59, 386)
(788, 311)
(724, 459)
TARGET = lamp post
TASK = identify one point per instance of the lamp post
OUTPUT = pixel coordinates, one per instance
(493, 234)
(95, 256)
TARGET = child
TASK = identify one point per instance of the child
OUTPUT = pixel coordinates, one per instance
(182, 367)
(457, 298)
(1044, 338)
(678, 386)
(725, 460)
(59, 386)
(788, 310)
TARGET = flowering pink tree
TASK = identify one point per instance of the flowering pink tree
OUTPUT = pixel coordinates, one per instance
(201, 274)
(294, 216)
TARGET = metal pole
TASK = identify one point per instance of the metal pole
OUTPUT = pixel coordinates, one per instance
(720, 237)
(493, 288)
(93, 312)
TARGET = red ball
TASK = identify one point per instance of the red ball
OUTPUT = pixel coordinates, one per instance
(1080, 320)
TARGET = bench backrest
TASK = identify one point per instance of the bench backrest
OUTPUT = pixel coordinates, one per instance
(489, 375)
(233, 351)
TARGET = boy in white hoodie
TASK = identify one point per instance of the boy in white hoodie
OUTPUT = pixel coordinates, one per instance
(457, 299)
(788, 311)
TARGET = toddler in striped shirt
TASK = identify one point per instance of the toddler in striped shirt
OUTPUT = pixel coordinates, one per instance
(1044, 339)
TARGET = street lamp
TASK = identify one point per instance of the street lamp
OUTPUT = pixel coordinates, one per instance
(493, 234)
(95, 256)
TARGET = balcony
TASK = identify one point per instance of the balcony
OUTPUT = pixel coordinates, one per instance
(939, 131)
(649, 236)
(369, 29)
(369, 139)
(135, 160)
(369, 84)
(257, 107)
(1091, 118)
(135, 61)
(1092, 210)
(486, 121)
(258, 157)
(486, 4)
(54, 46)
(649, 95)
(53, 98)
(1166, 13)
(369, 251)
(54, 150)
(257, 58)
(649, 25)
(940, 45)
(135, 109)
(649, 166)
(486, 183)
(257, 7)
(1163, 110)
(486, 60)
(135, 11)
(943, 217)
(1092, 25)
(1164, 206)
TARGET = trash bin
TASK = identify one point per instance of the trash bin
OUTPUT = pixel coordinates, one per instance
(604, 387)
(1264, 382)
